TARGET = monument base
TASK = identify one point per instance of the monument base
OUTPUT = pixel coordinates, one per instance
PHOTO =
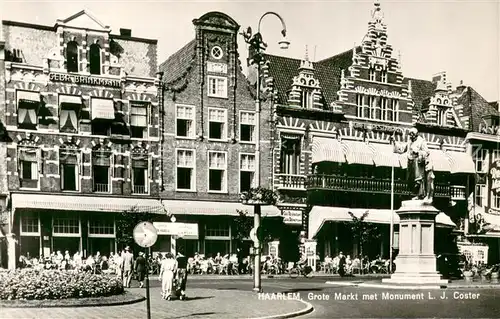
(416, 262)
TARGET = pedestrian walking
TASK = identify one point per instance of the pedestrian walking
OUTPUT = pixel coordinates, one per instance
(140, 268)
(167, 271)
(127, 267)
(342, 263)
(182, 274)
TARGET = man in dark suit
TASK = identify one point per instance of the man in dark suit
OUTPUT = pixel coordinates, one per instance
(182, 274)
(341, 264)
(140, 268)
(239, 256)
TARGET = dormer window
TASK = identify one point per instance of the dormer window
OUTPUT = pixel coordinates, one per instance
(72, 56)
(307, 99)
(95, 59)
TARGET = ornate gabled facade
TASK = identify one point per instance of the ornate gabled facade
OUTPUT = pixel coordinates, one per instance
(211, 127)
(79, 101)
(336, 157)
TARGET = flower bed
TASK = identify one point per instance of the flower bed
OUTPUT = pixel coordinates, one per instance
(40, 284)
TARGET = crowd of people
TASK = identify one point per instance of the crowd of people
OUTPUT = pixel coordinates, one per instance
(345, 265)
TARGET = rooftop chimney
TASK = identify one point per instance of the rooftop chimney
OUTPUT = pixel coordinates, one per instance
(125, 32)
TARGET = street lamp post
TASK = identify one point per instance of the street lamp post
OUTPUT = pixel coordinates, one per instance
(256, 49)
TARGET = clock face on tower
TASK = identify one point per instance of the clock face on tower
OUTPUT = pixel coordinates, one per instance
(216, 52)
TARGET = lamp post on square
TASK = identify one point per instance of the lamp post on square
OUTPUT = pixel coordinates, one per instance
(256, 50)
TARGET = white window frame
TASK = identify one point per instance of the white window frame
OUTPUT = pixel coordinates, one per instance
(101, 72)
(495, 155)
(440, 116)
(36, 165)
(216, 93)
(193, 172)
(372, 75)
(147, 106)
(494, 198)
(91, 235)
(225, 177)
(481, 156)
(146, 179)
(224, 122)
(110, 172)
(218, 237)
(213, 55)
(254, 124)
(54, 234)
(481, 193)
(383, 76)
(243, 169)
(77, 175)
(23, 233)
(192, 134)
(18, 98)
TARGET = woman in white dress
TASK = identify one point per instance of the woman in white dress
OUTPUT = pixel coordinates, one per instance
(167, 271)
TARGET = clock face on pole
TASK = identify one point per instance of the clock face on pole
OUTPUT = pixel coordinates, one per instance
(145, 234)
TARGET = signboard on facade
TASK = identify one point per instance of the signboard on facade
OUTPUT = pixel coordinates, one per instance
(292, 216)
(84, 79)
(183, 230)
(274, 248)
(217, 67)
(495, 176)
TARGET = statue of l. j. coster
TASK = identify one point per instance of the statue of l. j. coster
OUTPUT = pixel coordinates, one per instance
(420, 171)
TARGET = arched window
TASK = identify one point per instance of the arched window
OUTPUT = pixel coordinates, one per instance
(72, 56)
(95, 59)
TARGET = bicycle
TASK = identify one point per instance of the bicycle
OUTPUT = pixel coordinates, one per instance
(297, 270)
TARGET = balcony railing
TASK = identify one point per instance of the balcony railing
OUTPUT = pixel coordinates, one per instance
(457, 192)
(101, 188)
(139, 189)
(366, 184)
(291, 181)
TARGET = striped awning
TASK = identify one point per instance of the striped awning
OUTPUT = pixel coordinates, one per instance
(383, 155)
(461, 163)
(358, 153)
(186, 207)
(440, 161)
(28, 96)
(86, 203)
(327, 150)
(319, 215)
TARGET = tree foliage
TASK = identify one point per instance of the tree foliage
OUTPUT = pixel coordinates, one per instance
(362, 231)
(125, 224)
(243, 224)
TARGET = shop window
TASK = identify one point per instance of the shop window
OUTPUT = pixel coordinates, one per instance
(217, 86)
(30, 224)
(101, 227)
(247, 171)
(217, 124)
(247, 126)
(185, 121)
(138, 121)
(290, 155)
(140, 174)
(217, 172)
(95, 59)
(66, 224)
(185, 176)
(217, 230)
(72, 56)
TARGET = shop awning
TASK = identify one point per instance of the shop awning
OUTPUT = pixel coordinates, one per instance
(319, 215)
(86, 203)
(103, 109)
(28, 96)
(461, 163)
(70, 100)
(327, 150)
(186, 207)
(358, 153)
(383, 155)
(440, 161)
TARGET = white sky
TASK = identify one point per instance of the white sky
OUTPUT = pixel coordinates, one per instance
(460, 37)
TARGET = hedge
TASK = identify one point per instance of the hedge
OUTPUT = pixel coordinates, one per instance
(39, 284)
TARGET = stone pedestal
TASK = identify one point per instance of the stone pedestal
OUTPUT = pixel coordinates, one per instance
(416, 262)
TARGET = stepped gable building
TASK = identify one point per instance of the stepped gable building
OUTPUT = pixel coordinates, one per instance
(82, 115)
(210, 133)
(332, 123)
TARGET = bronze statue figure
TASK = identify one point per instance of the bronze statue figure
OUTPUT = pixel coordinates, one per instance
(419, 173)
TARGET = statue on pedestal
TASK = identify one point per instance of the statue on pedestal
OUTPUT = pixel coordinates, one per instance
(420, 174)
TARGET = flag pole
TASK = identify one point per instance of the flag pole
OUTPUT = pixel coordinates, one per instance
(391, 239)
